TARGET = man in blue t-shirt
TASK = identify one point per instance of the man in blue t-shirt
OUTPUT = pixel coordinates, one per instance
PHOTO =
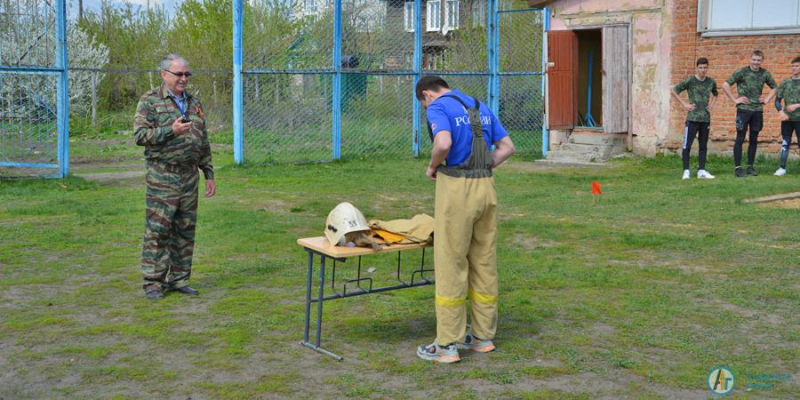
(463, 131)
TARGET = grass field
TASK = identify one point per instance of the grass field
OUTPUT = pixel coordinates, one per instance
(636, 296)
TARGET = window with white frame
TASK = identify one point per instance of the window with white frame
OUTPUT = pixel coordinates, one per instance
(717, 17)
(478, 13)
(451, 14)
(310, 7)
(434, 15)
(408, 16)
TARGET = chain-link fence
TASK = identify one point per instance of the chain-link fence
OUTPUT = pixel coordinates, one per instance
(287, 117)
(321, 79)
(44, 97)
(315, 88)
(28, 125)
(101, 94)
(31, 84)
(521, 46)
(103, 103)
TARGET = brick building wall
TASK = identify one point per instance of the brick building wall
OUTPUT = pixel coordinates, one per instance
(725, 54)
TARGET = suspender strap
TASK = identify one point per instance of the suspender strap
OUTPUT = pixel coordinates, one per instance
(477, 106)
(452, 96)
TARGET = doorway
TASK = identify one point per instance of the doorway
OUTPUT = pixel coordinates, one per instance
(590, 78)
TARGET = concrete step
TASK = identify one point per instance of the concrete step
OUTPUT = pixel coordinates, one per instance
(572, 157)
(581, 148)
(593, 151)
(572, 163)
(597, 140)
(597, 151)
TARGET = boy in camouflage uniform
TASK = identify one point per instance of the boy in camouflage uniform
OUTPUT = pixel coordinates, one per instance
(789, 92)
(749, 82)
(698, 87)
(171, 126)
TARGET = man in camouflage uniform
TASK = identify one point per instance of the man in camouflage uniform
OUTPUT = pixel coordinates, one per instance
(698, 87)
(749, 83)
(171, 126)
(789, 92)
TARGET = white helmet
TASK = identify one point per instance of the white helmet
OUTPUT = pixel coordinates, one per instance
(343, 219)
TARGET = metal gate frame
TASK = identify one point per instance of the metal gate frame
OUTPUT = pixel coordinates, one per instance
(493, 73)
(496, 73)
(62, 95)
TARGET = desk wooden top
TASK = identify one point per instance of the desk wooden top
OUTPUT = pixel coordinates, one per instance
(320, 244)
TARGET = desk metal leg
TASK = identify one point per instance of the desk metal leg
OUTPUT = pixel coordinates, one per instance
(319, 301)
(321, 294)
(308, 295)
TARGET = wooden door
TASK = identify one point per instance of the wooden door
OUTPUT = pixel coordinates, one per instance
(562, 75)
(616, 79)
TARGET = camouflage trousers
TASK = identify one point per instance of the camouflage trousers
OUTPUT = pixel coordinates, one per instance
(171, 215)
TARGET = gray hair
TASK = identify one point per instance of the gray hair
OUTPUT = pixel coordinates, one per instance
(166, 62)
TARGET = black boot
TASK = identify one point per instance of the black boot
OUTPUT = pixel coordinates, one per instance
(187, 290)
(154, 294)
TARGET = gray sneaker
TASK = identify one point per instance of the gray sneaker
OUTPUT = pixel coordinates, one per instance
(475, 344)
(441, 354)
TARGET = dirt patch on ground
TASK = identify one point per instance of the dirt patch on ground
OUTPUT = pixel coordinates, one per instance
(785, 200)
(530, 242)
(111, 176)
(110, 165)
(792, 203)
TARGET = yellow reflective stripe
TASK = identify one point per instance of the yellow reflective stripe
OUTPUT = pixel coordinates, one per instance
(450, 301)
(482, 298)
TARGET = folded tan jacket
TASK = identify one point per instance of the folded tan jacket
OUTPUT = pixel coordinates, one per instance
(418, 229)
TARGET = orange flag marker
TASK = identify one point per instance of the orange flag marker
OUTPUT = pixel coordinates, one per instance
(595, 190)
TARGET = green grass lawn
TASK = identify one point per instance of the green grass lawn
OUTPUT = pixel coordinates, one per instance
(638, 295)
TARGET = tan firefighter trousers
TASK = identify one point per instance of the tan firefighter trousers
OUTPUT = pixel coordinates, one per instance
(465, 257)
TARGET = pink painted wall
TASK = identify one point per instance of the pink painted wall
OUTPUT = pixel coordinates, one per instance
(651, 39)
(606, 6)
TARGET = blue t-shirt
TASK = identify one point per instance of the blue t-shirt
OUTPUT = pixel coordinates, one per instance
(447, 114)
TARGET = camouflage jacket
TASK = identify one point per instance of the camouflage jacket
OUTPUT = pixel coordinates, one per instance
(152, 126)
(749, 84)
(698, 92)
(789, 91)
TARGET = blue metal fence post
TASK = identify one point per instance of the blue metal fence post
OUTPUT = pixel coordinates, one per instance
(62, 92)
(337, 80)
(238, 94)
(496, 77)
(417, 67)
(493, 57)
(545, 28)
(489, 51)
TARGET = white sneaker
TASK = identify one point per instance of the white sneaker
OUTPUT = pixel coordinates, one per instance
(703, 174)
(686, 174)
(780, 172)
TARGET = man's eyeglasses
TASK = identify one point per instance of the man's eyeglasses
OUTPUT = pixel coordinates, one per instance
(180, 74)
